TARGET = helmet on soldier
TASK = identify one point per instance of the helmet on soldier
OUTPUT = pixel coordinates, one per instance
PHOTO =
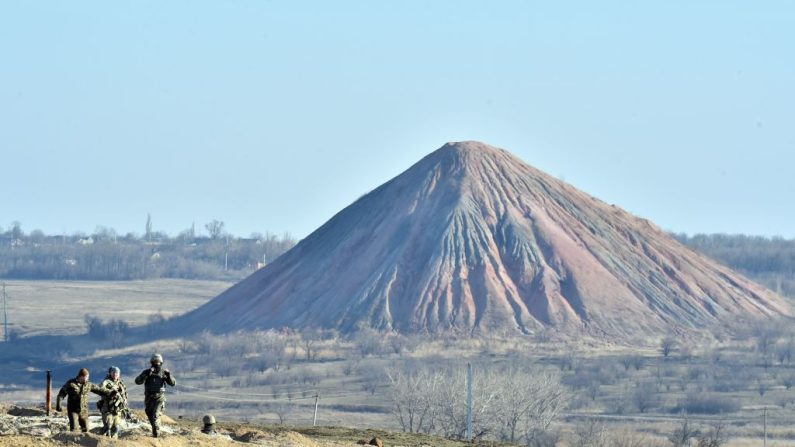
(156, 358)
(208, 419)
(113, 369)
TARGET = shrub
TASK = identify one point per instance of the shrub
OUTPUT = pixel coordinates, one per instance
(706, 404)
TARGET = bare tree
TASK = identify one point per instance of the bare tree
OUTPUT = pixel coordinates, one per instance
(453, 409)
(667, 345)
(281, 410)
(788, 381)
(310, 340)
(626, 361)
(529, 402)
(683, 434)
(645, 396)
(627, 438)
(761, 386)
(215, 228)
(511, 404)
(413, 395)
(637, 362)
(784, 350)
(714, 437)
(591, 433)
(368, 341)
(16, 231)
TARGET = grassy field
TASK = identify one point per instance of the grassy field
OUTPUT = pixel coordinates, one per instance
(59, 307)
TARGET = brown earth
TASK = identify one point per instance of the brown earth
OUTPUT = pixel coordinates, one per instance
(471, 239)
(29, 427)
(21, 426)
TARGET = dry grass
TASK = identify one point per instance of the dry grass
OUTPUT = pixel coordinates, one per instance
(45, 307)
(59, 307)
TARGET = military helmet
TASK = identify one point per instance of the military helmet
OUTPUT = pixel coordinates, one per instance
(156, 358)
(113, 369)
(208, 419)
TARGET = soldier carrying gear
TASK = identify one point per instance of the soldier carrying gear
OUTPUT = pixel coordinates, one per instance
(113, 408)
(155, 380)
(209, 424)
(76, 390)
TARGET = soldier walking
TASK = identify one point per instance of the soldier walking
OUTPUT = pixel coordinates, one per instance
(113, 408)
(76, 391)
(154, 381)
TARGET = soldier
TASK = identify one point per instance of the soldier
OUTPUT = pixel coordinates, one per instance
(113, 408)
(209, 424)
(76, 390)
(209, 428)
(154, 380)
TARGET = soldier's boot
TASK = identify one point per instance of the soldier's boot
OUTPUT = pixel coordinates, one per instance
(114, 432)
(154, 431)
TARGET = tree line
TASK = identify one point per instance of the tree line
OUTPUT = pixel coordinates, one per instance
(768, 261)
(106, 255)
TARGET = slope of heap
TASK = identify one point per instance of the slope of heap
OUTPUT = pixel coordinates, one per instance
(471, 239)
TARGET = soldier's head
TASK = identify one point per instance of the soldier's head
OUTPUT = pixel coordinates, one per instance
(209, 424)
(82, 375)
(209, 420)
(114, 372)
(156, 360)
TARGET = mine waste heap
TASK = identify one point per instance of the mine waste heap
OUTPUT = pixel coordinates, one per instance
(472, 240)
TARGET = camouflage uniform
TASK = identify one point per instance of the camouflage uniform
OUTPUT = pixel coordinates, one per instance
(154, 381)
(77, 401)
(113, 408)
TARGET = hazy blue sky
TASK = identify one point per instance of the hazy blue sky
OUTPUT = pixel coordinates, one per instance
(275, 115)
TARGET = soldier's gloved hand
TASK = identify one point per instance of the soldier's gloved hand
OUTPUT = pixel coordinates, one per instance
(58, 407)
(113, 393)
(166, 372)
(152, 370)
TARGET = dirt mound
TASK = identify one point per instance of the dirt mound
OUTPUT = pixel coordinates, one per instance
(140, 415)
(284, 438)
(19, 411)
(40, 426)
(471, 239)
(38, 430)
(24, 441)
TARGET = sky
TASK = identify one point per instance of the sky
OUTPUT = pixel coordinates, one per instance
(275, 115)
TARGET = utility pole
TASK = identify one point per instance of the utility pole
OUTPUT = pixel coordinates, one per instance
(5, 314)
(314, 419)
(48, 404)
(226, 255)
(764, 427)
(469, 402)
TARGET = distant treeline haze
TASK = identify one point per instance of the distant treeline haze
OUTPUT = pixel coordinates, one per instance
(768, 261)
(104, 255)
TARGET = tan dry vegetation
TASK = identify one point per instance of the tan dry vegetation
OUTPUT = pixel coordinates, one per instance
(222, 375)
(59, 307)
(30, 427)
